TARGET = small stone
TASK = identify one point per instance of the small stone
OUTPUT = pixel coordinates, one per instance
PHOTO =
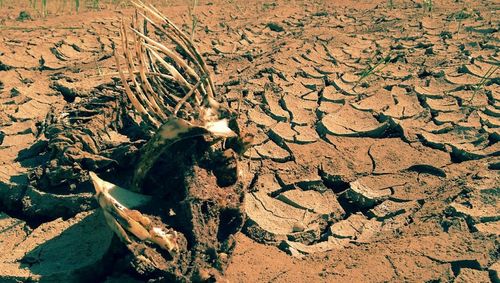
(298, 227)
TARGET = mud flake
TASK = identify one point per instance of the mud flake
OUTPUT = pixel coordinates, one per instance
(452, 248)
(297, 105)
(344, 88)
(392, 155)
(451, 117)
(273, 151)
(365, 196)
(462, 79)
(389, 209)
(297, 249)
(273, 107)
(331, 94)
(18, 60)
(445, 104)
(39, 254)
(47, 206)
(494, 271)
(415, 267)
(489, 228)
(476, 210)
(327, 107)
(350, 122)
(464, 143)
(31, 110)
(272, 215)
(355, 227)
(472, 275)
(489, 120)
(407, 106)
(305, 134)
(351, 156)
(260, 118)
(296, 88)
(283, 132)
(377, 102)
(429, 92)
(323, 203)
(12, 231)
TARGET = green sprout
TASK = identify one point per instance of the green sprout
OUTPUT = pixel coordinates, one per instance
(370, 70)
(485, 79)
(194, 19)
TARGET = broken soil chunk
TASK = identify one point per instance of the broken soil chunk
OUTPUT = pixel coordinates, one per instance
(39, 255)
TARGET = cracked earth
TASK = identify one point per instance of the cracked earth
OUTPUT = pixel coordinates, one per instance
(376, 150)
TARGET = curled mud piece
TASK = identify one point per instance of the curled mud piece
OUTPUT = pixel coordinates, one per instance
(183, 201)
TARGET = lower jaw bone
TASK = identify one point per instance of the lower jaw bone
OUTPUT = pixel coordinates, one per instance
(190, 219)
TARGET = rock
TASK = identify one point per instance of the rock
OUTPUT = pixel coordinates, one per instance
(72, 250)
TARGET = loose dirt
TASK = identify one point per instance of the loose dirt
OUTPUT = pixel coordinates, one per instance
(375, 157)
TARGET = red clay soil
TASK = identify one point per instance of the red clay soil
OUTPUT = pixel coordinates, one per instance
(375, 158)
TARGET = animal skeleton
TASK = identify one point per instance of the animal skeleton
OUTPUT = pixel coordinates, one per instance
(170, 87)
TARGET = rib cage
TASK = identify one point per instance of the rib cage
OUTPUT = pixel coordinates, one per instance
(164, 81)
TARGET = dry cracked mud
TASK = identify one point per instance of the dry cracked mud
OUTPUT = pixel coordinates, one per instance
(375, 157)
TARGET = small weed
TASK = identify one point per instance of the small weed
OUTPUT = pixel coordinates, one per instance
(194, 19)
(268, 6)
(44, 8)
(370, 70)
(484, 81)
(428, 5)
(23, 16)
(486, 78)
(391, 4)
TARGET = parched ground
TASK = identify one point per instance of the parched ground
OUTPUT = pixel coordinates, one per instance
(376, 154)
